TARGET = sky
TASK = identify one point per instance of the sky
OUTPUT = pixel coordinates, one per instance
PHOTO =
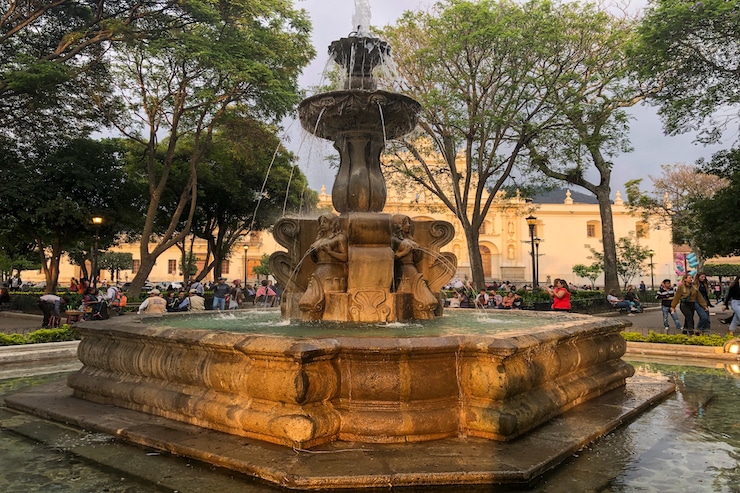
(333, 20)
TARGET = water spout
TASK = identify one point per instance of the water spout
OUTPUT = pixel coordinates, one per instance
(361, 18)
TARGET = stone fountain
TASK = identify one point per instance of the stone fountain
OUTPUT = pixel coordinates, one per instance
(364, 265)
(455, 393)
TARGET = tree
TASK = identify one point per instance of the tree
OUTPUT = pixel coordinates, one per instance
(241, 57)
(721, 270)
(247, 182)
(115, 262)
(263, 269)
(593, 123)
(672, 201)
(718, 230)
(590, 272)
(52, 59)
(631, 258)
(690, 49)
(53, 193)
(484, 73)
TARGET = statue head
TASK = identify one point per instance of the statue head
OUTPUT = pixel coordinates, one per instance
(328, 225)
(401, 225)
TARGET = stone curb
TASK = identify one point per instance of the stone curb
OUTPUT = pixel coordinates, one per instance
(31, 353)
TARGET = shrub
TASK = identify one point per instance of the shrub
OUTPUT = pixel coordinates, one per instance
(708, 340)
(64, 333)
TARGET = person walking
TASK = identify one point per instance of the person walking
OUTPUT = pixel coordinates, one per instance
(732, 300)
(665, 294)
(702, 284)
(687, 297)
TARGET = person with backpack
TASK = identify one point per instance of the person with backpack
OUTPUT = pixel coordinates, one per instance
(116, 299)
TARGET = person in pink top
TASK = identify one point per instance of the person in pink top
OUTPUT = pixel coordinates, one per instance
(560, 296)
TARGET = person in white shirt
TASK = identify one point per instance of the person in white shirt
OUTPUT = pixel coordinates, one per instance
(153, 304)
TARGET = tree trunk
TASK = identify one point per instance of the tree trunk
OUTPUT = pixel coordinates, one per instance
(147, 264)
(611, 278)
(472, 237)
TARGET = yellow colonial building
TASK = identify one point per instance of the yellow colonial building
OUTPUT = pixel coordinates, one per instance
(567, 230)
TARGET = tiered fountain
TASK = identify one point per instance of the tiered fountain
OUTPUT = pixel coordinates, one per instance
(347, 385)
(362, 266)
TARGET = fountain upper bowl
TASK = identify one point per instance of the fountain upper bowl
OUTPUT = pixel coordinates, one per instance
(331, 115)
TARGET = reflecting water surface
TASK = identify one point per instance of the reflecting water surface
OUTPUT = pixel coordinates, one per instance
(690, 442)
(463, 321)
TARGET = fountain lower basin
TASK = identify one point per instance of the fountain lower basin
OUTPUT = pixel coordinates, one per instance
(305, 391)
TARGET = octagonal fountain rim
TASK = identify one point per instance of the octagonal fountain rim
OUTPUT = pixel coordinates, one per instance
(562, 327)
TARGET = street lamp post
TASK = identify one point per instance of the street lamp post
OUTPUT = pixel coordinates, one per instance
(97, 221)
(532, 222)
(246, 263)
(537, 261)
(652, 275)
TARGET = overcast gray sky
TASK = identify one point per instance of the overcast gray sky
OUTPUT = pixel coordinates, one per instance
(333, 20)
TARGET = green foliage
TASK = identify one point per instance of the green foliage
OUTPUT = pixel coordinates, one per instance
(713, 340)
(631, 258)
(590, 272)
(245, 156)
(722, 270)
(64, 333)
(263, 269)
(52, 193)
(115, 262)
(691, 48)
(489, 76)
(718, 228)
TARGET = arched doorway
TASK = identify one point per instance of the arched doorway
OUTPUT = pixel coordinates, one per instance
(485, 255)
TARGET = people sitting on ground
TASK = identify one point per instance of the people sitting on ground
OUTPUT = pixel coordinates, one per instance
(154, 304)
(508, 302)
(481, 301)
(618, 302)
(171, 302)
(632, 297)
(51, 306)
(181, 304)
(496, 300)
(196, 302)
(455, 300)
(264, 295)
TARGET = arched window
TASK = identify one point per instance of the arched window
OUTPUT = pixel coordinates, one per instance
(593, 229)
(642, 229)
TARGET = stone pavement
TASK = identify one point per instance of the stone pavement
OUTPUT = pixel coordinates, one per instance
(652, 319)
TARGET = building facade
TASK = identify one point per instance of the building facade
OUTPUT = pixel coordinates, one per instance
(566, 230)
